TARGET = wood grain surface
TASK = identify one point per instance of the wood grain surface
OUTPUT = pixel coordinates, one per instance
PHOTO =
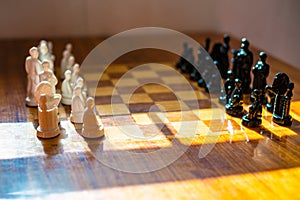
(260, 163)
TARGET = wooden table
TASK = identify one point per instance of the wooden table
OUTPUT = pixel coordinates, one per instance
(261, 163)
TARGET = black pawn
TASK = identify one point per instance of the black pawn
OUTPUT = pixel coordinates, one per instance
(182, 59)
(207, 44)
(279, 86)
(234, 106)
(213, 85)
(220, 53)
(195, 75)
(188, 66)
(229, 86)
(205, 71)
(281, 113)
(253, 118)
(260, 73)
(242, 64)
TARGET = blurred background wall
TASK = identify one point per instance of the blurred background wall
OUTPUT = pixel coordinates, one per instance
(272, 25)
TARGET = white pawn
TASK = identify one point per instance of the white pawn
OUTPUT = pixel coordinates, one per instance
(66, 89)
(64, 62)
(70, 63)
(44, 53)
(47, 110)
(80, 83)
(77, 106)
(75, 74)
(92, 128)
(48, 75)
(33, 68)
(50, 50)
(69, 48)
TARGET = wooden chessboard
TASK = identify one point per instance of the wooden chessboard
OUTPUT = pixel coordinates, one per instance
(153, 118)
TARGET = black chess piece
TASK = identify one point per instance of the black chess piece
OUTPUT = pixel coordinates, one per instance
(220, 54)
(207, 44)
(229, 86)
(188, 66)
(242, 64)
(213, 85)
(282, 105)
(234, 106)
(260, 73)
(279, 86)
(224, 59)
(182, 59)
(195, 75)
(205, 71)
(253, 117)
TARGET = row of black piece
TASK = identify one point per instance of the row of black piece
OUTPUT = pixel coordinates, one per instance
(237, 80)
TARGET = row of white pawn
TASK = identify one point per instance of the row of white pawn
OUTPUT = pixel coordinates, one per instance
(41, 92)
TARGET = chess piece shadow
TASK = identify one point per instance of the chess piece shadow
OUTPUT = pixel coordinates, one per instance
(67, 109)
(53, 146)
(251, 148)
(295, 126)
(95, 144)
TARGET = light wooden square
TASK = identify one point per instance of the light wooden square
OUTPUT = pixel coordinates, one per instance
(123, 132)
(211, 113)
(125, 82)
(155, 88)
(142, 118)
(190, 128)
(136, 98)
(117, 69)
(112, 109)
(172, 105)
(144, 74)
(190, 95)
(160, 66)
(180, 79)
(95, 77)
(106, 91)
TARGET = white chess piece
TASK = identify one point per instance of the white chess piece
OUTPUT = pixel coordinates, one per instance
(48, 75)
(50, 50)
(77, 106)
(44, 53)
(47, 110)
(64, 62)
(71, 62)
(69, 48)
(33, 68)
(80, 83)
(75, 74)
(92, 128)
(66, 89)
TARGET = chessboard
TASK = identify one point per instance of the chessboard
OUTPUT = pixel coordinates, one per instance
(164, 138)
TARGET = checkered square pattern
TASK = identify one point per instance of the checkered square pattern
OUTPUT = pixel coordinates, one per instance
(155, 101)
